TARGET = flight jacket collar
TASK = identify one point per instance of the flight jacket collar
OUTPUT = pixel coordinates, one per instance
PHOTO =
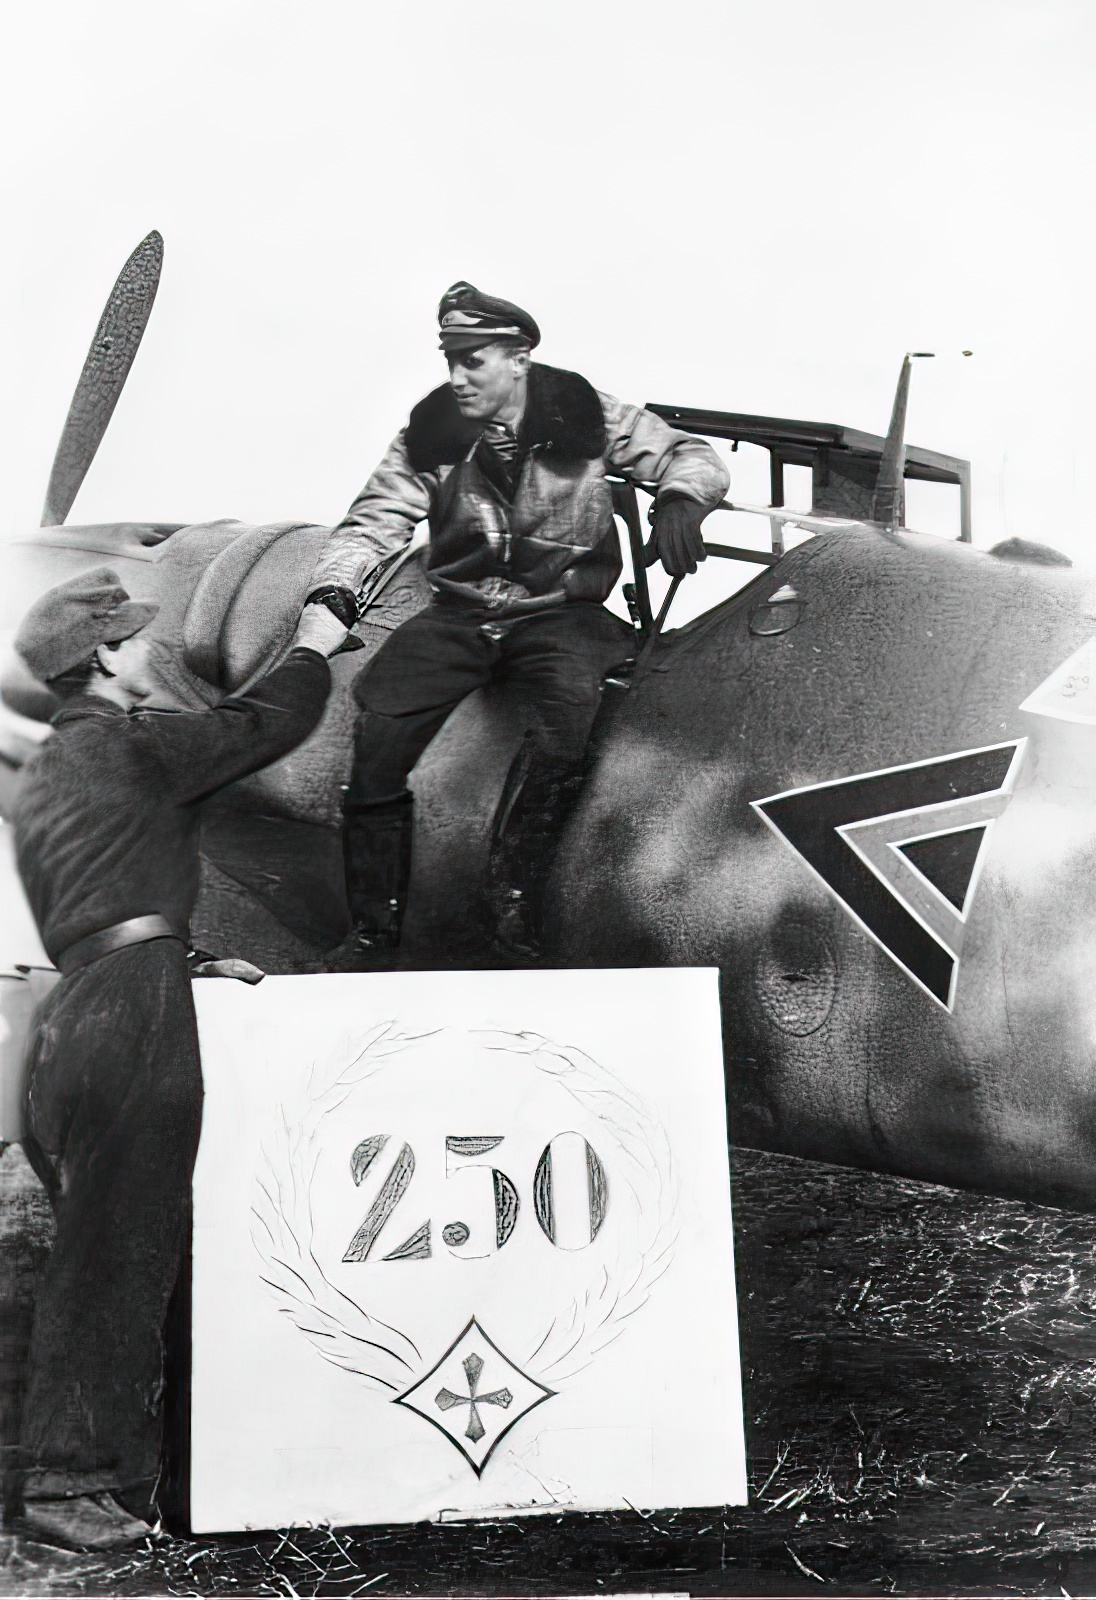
(563, 416)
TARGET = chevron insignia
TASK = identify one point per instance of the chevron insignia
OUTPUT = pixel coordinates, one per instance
(902, 850)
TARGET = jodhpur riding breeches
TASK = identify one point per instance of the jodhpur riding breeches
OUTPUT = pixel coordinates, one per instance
(437, 658)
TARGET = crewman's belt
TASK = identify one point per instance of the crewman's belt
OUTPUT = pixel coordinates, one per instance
(136, 930)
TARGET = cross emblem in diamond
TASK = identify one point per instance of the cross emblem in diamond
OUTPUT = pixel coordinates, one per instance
(445, 1399)
(475, 1413)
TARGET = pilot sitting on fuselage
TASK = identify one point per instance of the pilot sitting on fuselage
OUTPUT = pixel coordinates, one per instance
(508, 461)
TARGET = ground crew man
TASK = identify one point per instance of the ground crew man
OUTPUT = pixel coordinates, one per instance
(508, 460)
(106, 835)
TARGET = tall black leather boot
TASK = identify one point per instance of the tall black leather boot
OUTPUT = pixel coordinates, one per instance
(377, 860)
(532, 812)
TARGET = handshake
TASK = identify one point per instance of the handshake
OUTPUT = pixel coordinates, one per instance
(326, 621)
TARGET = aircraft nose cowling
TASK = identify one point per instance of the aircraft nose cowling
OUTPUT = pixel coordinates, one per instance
(246, 602)
(908, 651)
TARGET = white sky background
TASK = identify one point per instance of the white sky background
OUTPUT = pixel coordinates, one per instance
(749, 207)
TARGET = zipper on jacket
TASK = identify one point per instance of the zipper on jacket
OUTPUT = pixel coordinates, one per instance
(521, 463)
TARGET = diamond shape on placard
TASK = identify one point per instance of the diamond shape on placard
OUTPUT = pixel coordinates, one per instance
(474, 1395)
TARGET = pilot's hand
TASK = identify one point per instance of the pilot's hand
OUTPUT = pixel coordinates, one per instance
(319, 629)
(677, 541)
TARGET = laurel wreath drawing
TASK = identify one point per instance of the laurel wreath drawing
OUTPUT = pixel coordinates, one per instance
(343, 1331)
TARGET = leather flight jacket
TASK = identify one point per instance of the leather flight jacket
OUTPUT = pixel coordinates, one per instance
(517, 536)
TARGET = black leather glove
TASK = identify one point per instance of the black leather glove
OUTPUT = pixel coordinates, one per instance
(342, 603)
(677, 541)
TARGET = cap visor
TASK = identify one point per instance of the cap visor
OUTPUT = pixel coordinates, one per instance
(476, 341)
(130, 617)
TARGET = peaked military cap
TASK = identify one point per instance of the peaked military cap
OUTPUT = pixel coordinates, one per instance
(468, 318)
(68, 623)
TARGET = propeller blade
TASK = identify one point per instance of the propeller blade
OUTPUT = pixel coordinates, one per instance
(116, 342)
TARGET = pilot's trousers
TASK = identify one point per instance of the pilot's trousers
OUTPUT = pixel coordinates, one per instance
(423, 672)
(114, 1099)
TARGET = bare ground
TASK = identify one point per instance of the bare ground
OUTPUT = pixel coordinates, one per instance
(920, 1371)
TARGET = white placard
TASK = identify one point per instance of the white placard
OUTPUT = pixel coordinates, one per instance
(462, 1241)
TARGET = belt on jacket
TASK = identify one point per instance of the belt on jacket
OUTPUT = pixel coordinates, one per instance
(135, 930)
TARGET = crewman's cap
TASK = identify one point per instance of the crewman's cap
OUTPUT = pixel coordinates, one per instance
(468, 319)
(68, 623)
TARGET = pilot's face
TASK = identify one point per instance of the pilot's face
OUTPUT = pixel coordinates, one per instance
(488, 381)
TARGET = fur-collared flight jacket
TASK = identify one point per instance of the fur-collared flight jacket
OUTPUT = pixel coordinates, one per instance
(531, 536)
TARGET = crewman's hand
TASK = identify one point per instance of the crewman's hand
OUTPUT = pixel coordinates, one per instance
(677, 541)
(319, 629)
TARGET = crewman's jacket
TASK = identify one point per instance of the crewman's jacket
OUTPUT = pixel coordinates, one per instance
(106, 821)
(525, 535)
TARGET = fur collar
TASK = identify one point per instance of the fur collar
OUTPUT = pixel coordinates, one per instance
(562, 414)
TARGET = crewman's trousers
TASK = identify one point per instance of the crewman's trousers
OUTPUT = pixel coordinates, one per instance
(114, 1104)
